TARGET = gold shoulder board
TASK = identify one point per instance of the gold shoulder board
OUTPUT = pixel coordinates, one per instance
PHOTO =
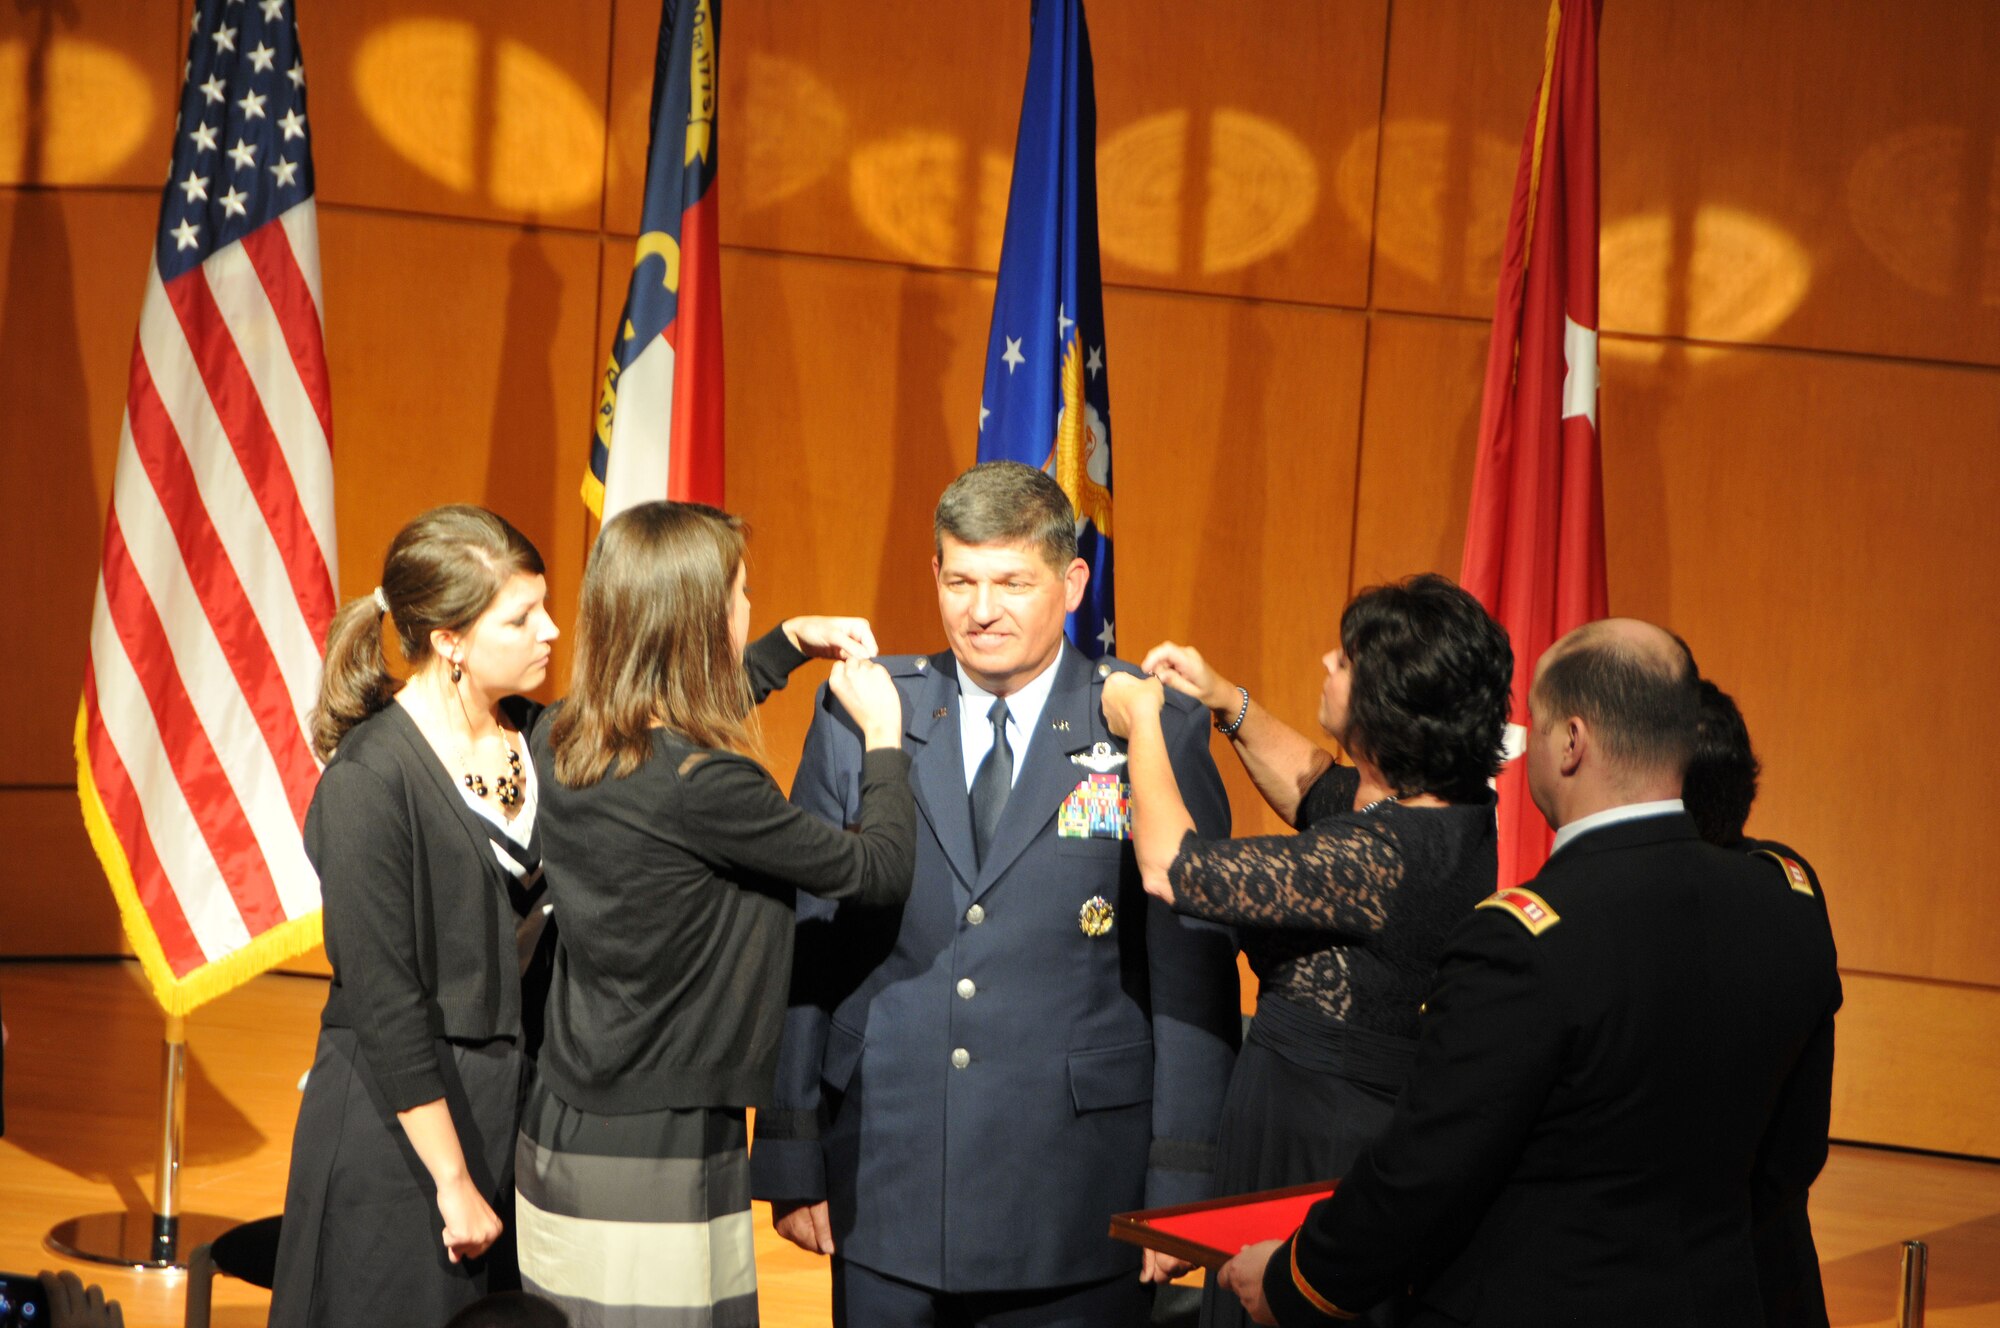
(1525, 907)
(1795, 871)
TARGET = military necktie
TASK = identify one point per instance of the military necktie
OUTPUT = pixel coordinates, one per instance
(992, 784)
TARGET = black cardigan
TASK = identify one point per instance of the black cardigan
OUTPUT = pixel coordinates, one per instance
(419, 927)
(673, 889)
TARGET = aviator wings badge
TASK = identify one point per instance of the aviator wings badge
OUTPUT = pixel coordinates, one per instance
(1100, 759)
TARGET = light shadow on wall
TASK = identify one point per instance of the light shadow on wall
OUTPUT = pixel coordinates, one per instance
(1729, 275)
(1926, 203)
(481, 115)
(1444, 206)
(922, 194)
(773, 167)
(1258, 188)
(71, 111)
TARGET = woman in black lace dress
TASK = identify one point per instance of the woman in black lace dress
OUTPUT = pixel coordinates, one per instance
(1343, 922)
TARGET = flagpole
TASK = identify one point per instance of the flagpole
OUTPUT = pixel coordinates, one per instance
(154, 1242)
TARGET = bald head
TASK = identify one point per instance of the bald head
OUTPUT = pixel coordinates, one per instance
(1633, 684)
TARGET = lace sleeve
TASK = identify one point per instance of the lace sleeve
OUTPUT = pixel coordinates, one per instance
(1335, 877)
(1330, 795)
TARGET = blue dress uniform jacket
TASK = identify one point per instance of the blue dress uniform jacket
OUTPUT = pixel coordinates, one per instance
(973, 1082)
(1612, 1058)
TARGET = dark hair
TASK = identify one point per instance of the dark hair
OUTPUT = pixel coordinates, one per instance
(509, 1309)
(1428, 702)
(442, 571)
(1721, 780)
(653, 644)
(1006, 502)
(1641, 704)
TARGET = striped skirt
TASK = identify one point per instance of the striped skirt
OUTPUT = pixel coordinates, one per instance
(638, 1221)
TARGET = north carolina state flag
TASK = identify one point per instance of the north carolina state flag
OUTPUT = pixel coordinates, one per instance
(1534, 540)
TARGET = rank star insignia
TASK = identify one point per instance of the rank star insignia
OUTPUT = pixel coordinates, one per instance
(1095, 917)
(1101, 758)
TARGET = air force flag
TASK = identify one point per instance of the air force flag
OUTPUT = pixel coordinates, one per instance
(1047, 397)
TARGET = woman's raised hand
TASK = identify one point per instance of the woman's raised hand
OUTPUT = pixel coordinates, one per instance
(1126, 696)
(831, 638)
(869, 694)
(1183, 669)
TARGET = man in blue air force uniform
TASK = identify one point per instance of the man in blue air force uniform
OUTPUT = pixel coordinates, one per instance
(971, 1085)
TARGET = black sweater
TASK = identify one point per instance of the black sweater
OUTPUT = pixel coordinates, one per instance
(419, 927)
(673, 890)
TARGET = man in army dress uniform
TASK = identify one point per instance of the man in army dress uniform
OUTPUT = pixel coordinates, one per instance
(1611, 1056)
(971, 1085)
(1720, 788)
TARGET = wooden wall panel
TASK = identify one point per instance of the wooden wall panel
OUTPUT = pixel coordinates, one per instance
(1818, 528)
(482, 397)
(53, 899)
(1218, 137)
(1770, 180)
(70, 289)
(87, 91)
(1418, 441)
(1914, 1065)
(472, 108)
(1235, 478)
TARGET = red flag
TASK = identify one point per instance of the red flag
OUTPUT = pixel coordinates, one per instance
(1534, 539)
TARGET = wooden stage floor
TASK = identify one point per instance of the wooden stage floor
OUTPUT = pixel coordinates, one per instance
(83, 1077)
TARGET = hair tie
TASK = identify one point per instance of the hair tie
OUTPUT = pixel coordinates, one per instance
(381, 600)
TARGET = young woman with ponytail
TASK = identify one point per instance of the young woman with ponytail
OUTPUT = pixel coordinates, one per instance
(423, 832)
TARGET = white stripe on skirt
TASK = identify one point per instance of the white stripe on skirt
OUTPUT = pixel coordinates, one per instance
(637, 1263)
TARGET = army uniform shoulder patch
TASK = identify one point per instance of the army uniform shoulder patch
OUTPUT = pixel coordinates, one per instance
(1525, 907)
(1795, 871)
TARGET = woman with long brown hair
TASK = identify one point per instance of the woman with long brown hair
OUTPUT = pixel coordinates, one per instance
(672, 859)
(422, 830)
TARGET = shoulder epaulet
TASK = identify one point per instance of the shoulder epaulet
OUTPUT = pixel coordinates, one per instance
(905, 666)
(1795, 871)
(1104, 668)
(1525, 907)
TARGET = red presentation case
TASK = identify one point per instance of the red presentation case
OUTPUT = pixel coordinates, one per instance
(1209, 1234)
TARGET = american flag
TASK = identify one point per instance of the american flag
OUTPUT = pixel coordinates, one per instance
(193, 763)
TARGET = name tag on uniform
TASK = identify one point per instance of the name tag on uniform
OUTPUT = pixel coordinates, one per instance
(1100, 807)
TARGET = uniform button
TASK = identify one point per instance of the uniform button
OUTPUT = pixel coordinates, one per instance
(960, 1058)
(975, 915)
(965, 988)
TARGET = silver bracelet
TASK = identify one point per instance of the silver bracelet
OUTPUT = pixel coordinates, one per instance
(1229, 730)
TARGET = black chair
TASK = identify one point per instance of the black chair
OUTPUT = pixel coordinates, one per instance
(247, 1252)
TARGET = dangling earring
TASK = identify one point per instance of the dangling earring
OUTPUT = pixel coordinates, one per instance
(456, 672)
